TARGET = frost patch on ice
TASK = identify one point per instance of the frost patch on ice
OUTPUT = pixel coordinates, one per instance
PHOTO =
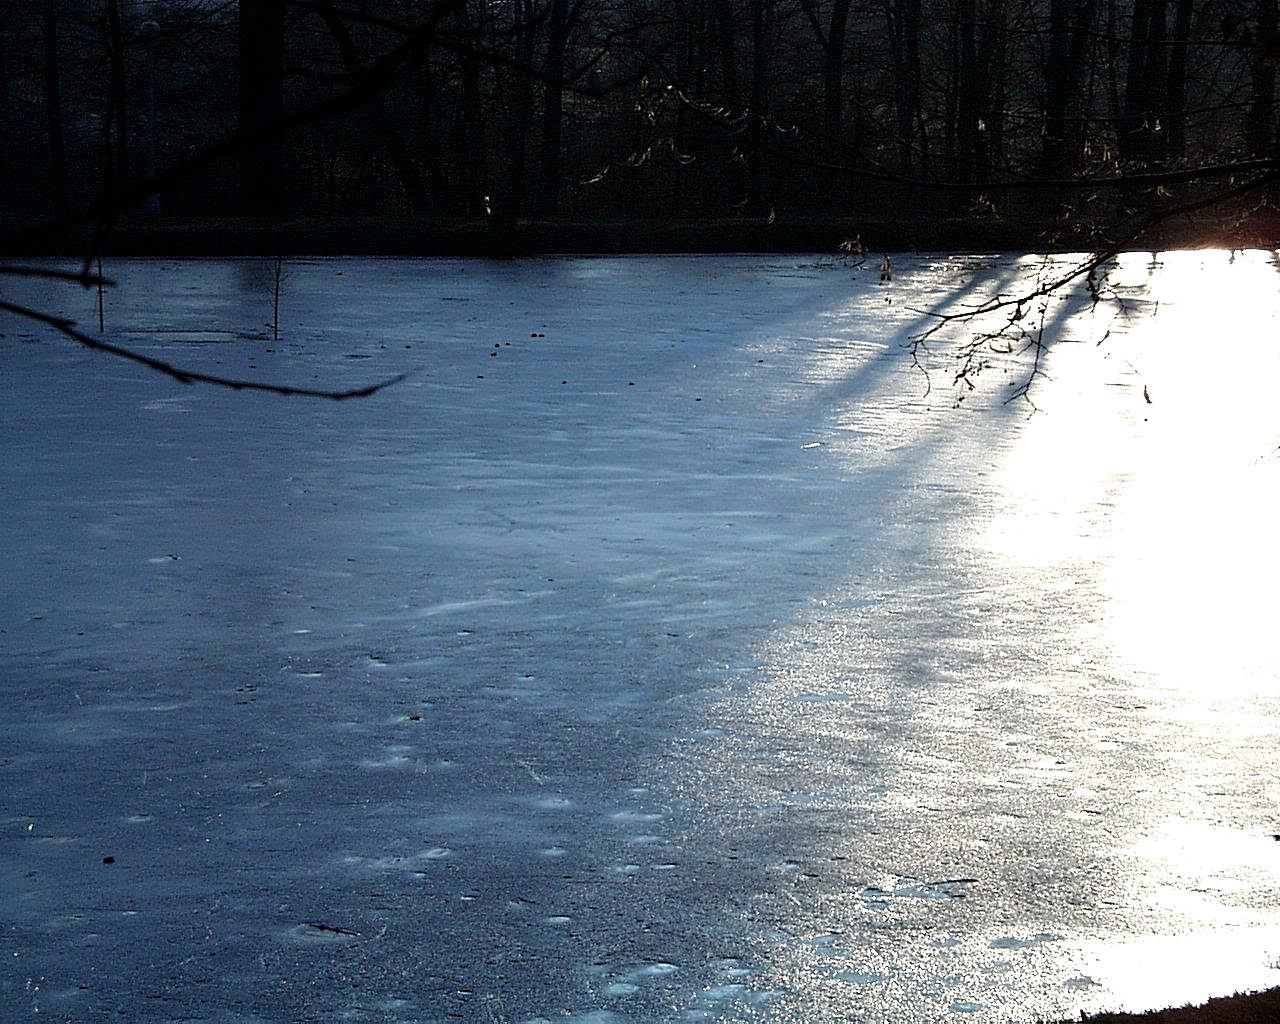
(621, 988)
(634, 817)
(830, 697)
(52, 840)
(170, 405)
(412, 863)
(631, 982)
(396, 757)
(553, 803)
(658, 970)
(449, 607)
(713, 1003)
(713, 998)
(862, 977)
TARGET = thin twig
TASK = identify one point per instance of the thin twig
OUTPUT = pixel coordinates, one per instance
(102, 302)
(1013, 331)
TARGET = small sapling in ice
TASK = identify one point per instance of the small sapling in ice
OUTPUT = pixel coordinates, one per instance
(102, 322)
(277, 276)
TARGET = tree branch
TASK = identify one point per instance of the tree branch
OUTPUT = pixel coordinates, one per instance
(1015, 332)
(68, 328)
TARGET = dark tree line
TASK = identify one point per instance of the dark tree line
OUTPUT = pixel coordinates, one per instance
(1066, 112)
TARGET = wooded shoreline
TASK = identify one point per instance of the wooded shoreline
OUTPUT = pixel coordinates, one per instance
(408, 236)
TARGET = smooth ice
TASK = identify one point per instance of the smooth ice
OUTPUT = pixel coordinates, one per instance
(665, 648)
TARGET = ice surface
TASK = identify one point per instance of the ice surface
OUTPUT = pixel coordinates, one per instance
(658, 651)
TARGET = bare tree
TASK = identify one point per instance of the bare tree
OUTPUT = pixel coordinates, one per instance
(261, 79)
(53, 104)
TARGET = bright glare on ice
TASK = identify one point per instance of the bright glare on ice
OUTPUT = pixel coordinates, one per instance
(665, 647)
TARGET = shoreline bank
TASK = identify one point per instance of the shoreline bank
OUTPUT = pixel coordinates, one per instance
(177, 237)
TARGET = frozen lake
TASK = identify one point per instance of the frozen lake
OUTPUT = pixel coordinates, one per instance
(658, 651)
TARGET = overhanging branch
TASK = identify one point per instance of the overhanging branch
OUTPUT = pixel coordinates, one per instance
(68, 328)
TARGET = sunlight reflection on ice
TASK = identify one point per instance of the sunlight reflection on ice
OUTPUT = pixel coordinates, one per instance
(1153, 460)
(1151, 468)
(1060, 703)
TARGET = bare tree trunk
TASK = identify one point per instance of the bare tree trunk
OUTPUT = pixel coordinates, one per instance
(1176, 103)
(993, 137)
(1158, 77)
(6, 125)
(470, 124)
(968, 91)
(756, 115)
(904, 42)
(991, 70)
(833, 68)
(834, 39)
(8, 163)
(509, 198)
(119, 102)
(401, 158)
(53, 107)
(432, 131)
(1141, 134)
(1070, 25)
(727, 39)
(553, 106)
(1261, 119)
(261, 66)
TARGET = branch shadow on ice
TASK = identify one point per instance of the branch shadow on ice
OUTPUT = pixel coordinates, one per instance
(886, 678)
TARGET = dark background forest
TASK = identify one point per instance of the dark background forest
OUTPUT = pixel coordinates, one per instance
(1034, 122)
